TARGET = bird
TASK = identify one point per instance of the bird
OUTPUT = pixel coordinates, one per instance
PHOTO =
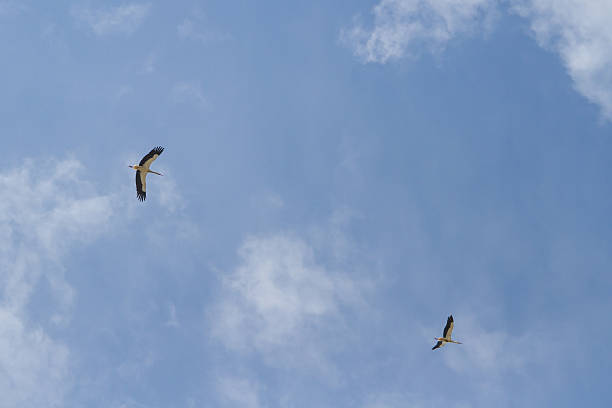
(446, 335)
(142, 169)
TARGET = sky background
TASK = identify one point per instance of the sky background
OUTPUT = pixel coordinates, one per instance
(339, 177)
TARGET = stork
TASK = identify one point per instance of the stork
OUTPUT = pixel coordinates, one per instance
(142, 169)
(446, 335)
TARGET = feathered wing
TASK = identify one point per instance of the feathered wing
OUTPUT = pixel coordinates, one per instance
(438, 345)
(448, 329)
(151, 156)
(141, 185)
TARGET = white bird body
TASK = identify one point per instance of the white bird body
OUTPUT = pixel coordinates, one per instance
(142, 169)
(446, 335)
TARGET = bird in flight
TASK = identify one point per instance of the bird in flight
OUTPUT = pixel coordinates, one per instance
(446, 335)
(142, 169)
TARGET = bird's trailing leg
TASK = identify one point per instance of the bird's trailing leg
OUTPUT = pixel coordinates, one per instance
(154, 172)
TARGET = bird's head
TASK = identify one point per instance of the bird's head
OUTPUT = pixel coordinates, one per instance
(132, 167)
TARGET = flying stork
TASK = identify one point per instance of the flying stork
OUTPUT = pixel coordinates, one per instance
(446, 335)
(142, 169)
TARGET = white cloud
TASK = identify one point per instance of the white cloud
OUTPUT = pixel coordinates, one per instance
(283, 305)
(121, 19)
(278, 287)
(402, 26)
(34, 367)
(580, 31)
(45, 210)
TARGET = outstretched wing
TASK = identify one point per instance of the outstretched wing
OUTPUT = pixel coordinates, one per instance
(141, 185)
(438, 345)
(448, 329)
(151, 156)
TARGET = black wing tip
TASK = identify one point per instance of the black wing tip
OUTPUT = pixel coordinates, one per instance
(157, 150)
(141, 196)
(450, 318)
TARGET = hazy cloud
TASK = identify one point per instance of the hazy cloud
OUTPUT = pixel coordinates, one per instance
(578, 31)
(34, 366)
(196, 27)
(238, 392)
(11, 8)
(189, 92)
(45, 210)
(123, 19)
(188, 29)
(401, 27)
(283, 305)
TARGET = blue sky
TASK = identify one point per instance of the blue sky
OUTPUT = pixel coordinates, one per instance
(338, 179)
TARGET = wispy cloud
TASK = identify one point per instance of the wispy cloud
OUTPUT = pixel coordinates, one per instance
(124, 19)
(45, 210)
(581, 33)
(197, 28)
(188, 29)
(402, 27)
(402, 399)
(578, 31)
(282, 305)
(168, 194)
(238, 392)
(189, 92)
(149, 64)
(268, 201)
(37, 210)
(277, 288)
(491, 354)
(172, 320)
(35, 367)
(12, 8)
